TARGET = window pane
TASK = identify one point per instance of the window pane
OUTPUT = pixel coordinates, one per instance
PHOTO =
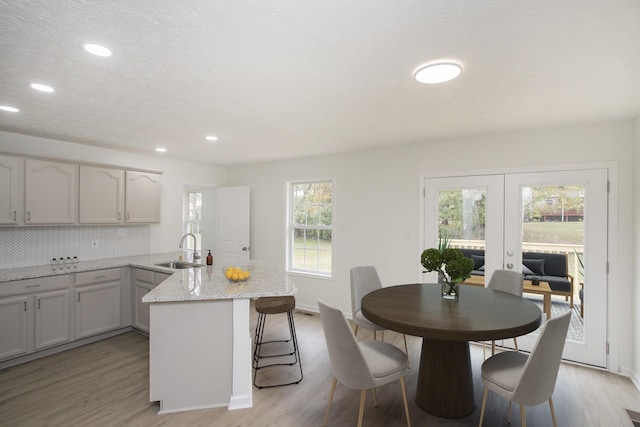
(311, 221)
(461, 216)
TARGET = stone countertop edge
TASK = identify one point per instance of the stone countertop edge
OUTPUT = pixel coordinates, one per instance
(192, 284)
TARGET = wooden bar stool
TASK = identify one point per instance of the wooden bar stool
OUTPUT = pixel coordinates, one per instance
(275, 305)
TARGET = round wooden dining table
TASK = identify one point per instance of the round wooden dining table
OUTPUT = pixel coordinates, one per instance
(445, 382)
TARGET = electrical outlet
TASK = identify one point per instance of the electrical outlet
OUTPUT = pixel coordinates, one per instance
(94, 243)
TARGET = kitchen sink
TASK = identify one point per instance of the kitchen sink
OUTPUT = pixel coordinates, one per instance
(179, 265)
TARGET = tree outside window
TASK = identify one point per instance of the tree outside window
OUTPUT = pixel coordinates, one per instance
(310, 228)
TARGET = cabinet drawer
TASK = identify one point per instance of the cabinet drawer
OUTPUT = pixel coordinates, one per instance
(26, 286)
(144, 275)
(97, 276)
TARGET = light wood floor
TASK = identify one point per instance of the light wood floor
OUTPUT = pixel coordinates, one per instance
(107, 384)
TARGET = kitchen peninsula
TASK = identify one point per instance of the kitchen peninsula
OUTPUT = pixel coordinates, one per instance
(200, 340)
(200, 337)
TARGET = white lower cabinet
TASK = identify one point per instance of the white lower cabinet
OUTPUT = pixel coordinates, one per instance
(14, 327)
(51, 319)
(98, 302)
(34, 315)
(143, 282)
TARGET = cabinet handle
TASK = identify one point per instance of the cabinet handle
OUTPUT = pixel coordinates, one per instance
(78, 298)
(33, 286)
(128, 216)
(25, 305)
(28, 216)
(119, 216)
(99, 277)
(38, 303)
(15, 215)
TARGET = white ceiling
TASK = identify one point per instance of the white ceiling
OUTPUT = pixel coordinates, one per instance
(277, 79)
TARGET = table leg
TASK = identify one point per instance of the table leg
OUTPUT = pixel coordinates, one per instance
(547, 305)
(445, 382)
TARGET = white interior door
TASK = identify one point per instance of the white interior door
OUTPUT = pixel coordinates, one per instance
(233, 221)
(499, 231)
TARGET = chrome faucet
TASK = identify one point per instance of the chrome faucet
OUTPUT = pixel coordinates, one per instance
(195, 253)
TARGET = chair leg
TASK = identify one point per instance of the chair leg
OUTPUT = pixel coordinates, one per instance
(404, 398)
(333, 389)
(523, 419)
(363, 395)
(484, 401)
(484, 350)
(553, 413)
(406, 349)
(493, 347)
(355, 332)
(515, 343)
(375, 396)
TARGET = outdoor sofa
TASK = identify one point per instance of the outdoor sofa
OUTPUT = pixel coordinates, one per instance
(547, 267)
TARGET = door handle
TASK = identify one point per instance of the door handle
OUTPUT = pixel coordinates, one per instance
(510, 266)
(246, 248)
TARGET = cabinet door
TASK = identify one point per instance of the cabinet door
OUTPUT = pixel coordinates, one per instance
(101, 198)
(141, 315)
(10, 189)
(97, 309)
(142, 195)
(14, 327)
(52, 323)
(50, 192)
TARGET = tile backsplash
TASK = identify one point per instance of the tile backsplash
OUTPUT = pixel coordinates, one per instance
(28, 246)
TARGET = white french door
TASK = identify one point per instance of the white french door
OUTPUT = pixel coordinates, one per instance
(560, 212)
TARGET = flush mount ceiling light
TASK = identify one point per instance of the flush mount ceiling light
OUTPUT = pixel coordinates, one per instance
(438, 72)
(211, 138)
(9, 109)
(97, 50)
(161, 150)
(41, 87)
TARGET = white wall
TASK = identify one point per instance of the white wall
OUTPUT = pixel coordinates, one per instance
(377, 202)
(635, 318)
(175, 175)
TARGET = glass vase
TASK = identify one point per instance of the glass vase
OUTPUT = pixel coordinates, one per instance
(450, 290)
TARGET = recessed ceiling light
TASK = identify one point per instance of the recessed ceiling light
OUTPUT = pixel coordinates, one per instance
(211, 138)
(41, 87)
(9, 108)
(161, 150)
(97, 50)
(438, 72)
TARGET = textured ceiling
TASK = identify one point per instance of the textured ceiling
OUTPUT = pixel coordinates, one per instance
(286, 79)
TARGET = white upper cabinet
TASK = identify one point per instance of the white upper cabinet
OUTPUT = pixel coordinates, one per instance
(101, 196)
(10, 189)
(142, 197)
(50, 192)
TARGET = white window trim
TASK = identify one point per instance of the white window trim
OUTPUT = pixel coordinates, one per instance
(288, 228)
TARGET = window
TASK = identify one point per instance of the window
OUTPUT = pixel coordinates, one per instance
(192, 217)
(310, 227)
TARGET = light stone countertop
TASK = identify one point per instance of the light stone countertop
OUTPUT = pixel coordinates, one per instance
(200, 283)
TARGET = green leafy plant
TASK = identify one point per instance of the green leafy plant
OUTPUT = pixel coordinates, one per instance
(452, 265)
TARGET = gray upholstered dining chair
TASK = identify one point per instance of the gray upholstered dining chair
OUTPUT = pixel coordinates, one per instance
(505, 281)
(528, 380)
(360, 365)
(365, 279)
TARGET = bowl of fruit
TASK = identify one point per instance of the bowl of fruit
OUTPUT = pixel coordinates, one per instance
(237, 274)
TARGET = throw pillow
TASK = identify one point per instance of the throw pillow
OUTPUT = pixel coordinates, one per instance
(478, 261)
(535, 265)
(526, 270)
